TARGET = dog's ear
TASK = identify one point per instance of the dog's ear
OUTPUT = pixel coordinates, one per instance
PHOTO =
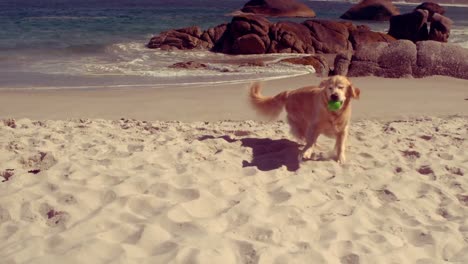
(354, 92)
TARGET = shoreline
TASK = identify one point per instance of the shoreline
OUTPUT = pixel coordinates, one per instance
(381, 99)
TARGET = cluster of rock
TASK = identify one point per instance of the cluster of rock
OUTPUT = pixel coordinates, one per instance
(356, 50)
(414, 26)
(253, 34)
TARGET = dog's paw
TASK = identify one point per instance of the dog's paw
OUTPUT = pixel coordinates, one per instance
(307, 155)
(341, 159)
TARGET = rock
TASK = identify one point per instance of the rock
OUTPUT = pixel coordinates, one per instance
(317, 61)
(363, 35)
(248, 44)
(329, 36)
(440, 28)
(278, 8)
(214, 34)
(188, 65)
(412, 26)
(341, 64)
(380, 10)
(433, 8)
(436, 58)
(290, 37)
(246, 30)
(393, 60)
(185, 38)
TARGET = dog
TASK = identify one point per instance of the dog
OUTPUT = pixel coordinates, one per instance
(308, 113)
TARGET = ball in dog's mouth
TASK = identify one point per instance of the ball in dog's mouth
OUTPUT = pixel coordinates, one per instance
(334, 105)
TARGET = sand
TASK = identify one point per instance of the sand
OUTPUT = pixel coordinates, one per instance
(81, 185)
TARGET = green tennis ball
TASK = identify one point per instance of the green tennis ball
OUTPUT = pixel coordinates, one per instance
(334, 105)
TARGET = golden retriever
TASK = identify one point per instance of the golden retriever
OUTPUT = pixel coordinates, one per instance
(308, 113)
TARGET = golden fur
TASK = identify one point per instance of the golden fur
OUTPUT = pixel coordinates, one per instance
(308, 114)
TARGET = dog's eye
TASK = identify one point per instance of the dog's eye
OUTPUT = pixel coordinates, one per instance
(330, 88)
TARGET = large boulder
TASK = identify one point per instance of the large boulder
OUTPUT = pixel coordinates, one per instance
(380, 10)
(329, 36)
(341, 64)
(290, 37)
(213, 35)
(440, 28)
(436, 58)
(393, 60)
(432, 7)
(185, 38)
(363, 35)
(248, 44)
(411, 26)
(278, 8)
(240, 34)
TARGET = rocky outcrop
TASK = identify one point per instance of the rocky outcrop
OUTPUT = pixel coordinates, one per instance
(185, 38)
(278, 8)
(329, 36)
(253, 34)
(380, 10)
(411, 26)
(432, 8)
(403, 58)
(394, 60)
(440, 28)
(363, 35)
(436, 58)
(414, 26)
(290, 37)
(341, 64)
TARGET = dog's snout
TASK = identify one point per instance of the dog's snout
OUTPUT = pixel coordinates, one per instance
(334, 97)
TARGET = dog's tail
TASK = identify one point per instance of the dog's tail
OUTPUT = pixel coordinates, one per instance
(267, 106)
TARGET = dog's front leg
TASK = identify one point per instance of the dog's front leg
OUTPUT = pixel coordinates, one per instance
(340, 146)
(311, 138)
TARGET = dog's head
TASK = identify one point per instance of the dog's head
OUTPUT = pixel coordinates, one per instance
(339, 88)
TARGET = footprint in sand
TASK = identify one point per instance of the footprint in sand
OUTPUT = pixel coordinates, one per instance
(419, 238)
(246, 253)
(66, 199)
(279, 195)
(135, 148)
(4, 215)
(164, 190)
(350, 259)
(387, 196)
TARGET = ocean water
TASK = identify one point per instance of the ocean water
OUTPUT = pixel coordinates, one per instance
(53, 44)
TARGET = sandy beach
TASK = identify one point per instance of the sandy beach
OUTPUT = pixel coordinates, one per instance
(191, 175)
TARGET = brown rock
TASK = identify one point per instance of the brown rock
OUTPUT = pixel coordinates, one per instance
(317, 61)
(411, 26)
(380, 10)
(185, 38)
(362, 35)
(440, 28)
(278, 8)
(341, 64)
(248, 44)
(291, 37)
(188, 65)
(214, 34)
(432, 7)
(235, 41)
(329, 36)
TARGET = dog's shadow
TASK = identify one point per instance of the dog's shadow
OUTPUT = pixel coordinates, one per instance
(269, 154)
